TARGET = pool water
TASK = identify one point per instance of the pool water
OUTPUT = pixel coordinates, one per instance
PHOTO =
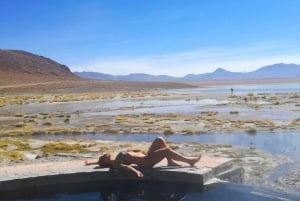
(134, 191)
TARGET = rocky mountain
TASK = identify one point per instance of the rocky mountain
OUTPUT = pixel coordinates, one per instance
(277, 71)
(21, 62)
(218, 74)
(272, 71)
(145, 77)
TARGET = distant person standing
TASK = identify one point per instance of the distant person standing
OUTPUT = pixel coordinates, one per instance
(231, 91)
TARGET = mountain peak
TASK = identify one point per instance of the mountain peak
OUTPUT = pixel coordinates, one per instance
(280, 70)
(219, 70)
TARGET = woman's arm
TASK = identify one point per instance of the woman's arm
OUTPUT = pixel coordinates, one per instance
(91, 163)
(129, 168)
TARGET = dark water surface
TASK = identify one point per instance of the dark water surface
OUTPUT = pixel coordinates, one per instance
(158, 191)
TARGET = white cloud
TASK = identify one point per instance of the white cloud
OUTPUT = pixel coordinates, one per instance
(236, 59)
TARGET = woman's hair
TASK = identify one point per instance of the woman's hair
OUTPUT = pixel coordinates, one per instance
(102, 163)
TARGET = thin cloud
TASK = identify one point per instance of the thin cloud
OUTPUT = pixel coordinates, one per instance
(236, 59)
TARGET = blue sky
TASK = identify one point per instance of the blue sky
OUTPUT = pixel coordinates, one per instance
(154, 36)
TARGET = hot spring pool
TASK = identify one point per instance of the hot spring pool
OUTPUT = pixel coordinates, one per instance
(145, 190)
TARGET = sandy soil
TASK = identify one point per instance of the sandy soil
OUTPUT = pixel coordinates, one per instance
(26, 83)
(15, 83)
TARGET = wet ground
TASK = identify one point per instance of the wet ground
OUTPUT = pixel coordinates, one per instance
(150, 112)
(255, 125)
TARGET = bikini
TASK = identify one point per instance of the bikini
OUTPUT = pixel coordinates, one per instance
(121, 157)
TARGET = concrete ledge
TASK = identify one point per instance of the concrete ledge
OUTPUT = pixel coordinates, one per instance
(235, 174)
(37, 175)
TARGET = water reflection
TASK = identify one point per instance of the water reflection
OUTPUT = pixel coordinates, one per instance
(143, 191)
(245, 88)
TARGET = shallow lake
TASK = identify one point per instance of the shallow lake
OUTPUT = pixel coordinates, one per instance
(247, 88)
(282, 143)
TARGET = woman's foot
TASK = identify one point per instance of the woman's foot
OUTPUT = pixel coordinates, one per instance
(193, 161)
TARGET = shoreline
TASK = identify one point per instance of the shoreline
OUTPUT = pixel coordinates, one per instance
(80, 85)
(206, 83)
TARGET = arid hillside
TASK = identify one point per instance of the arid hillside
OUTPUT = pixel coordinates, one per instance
(20, 67)
(23, 72)
(25, 62)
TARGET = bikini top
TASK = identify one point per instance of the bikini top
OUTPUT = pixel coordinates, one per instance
(121, 157)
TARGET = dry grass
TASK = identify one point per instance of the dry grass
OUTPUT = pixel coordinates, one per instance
(251, 130)
(295, 122)
(18, 144)
(61, 147)
(112, 130)
(11, 155)
(10, 148)
(234, 112)
(64, 130)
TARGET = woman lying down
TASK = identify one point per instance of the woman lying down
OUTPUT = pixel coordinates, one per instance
(158, 151)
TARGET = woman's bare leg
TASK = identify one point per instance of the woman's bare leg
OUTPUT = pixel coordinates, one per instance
(158, 155)
(160, 143)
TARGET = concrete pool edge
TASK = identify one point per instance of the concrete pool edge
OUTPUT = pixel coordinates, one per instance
(45, 174)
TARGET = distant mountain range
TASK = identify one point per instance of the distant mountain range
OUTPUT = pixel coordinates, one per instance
(281, 70)
(32, 66)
